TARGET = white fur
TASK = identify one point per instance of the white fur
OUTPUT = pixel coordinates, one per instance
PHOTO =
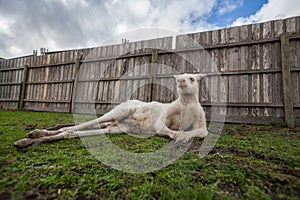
(182, 119)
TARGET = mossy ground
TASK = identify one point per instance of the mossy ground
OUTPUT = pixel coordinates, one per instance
(248, 162)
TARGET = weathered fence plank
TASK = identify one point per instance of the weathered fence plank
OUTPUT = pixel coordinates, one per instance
(75, 84)
(246, 59)
(286, 80)
(23, 87)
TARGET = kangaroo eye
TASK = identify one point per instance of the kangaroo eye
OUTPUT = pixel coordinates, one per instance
(192, 79)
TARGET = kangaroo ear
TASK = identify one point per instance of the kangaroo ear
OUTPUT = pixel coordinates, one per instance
(176, 76)
(200, 76)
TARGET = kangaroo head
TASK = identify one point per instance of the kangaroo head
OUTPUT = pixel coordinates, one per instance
(188, 83)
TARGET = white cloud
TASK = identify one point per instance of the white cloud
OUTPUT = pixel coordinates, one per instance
(164, 17)
(5, 25)
(67, 24)
(130, 14)
(274, 9)
(227, 6)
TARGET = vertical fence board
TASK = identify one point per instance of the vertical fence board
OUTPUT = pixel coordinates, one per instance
(248, 57)
(286, 80)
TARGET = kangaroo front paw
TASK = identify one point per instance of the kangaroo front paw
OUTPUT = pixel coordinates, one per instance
(182, 138)
(202, 133)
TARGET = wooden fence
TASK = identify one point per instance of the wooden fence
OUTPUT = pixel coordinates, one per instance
(253, 74)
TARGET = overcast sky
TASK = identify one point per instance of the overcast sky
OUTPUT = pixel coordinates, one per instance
(67, 24)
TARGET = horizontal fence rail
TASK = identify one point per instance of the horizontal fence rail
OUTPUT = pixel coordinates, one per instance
(253, 74)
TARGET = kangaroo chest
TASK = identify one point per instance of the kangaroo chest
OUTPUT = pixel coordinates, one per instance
(183, 118)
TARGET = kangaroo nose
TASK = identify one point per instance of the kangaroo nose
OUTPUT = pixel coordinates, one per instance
(181, 81)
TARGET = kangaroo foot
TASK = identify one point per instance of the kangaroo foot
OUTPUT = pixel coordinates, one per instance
(26, 142)
(40, 133)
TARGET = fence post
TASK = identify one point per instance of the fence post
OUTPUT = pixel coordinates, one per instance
(23, 87)
(286, 80)
(75, 83)
(153, 72)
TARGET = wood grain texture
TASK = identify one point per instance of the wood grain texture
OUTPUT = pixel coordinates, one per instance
(286, 81)
(244, 64)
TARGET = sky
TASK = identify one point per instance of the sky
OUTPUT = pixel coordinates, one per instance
(26, 25)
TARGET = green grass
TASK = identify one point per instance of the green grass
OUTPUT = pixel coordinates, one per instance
(248, 162)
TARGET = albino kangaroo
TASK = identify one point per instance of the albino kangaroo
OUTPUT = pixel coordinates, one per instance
(181, 120)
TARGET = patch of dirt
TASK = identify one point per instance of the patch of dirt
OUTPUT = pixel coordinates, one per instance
(245, 129)
(195, 147)
(5, 195)
(281, 184)
(267, 157)
(291, 171)
(237, 152)
(7, 161)
(230, 189)
(240, 130)
(32, 194)
(280, 180)
(37, 194)
(217, 150)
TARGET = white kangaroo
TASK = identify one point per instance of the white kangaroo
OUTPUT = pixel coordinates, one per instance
(181, 120)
